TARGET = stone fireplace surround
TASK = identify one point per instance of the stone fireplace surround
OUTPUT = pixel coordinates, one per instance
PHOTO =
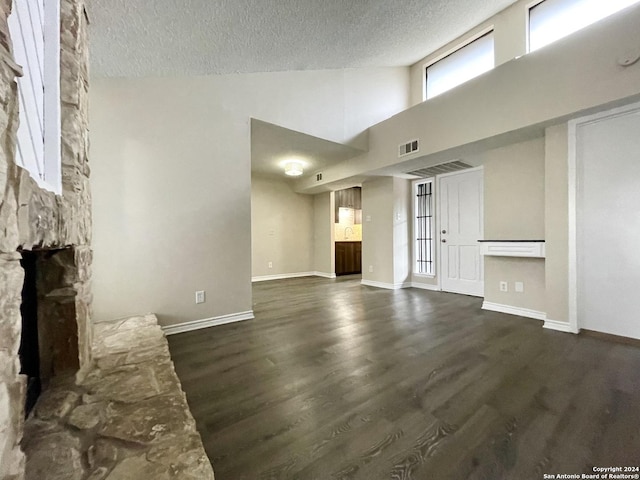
(102, 420)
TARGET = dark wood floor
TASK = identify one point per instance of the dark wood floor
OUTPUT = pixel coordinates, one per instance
(334, 380)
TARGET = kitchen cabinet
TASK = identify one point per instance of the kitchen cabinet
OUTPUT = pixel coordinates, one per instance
(348, 258)
(348, 198)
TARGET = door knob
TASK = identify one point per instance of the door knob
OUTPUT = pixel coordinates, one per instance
(444, 231)
(444, 240)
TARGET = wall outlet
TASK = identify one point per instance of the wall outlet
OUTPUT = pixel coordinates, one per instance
(370, 268)
(200, 296)
(270, 264)
(519, 287)
(367, 218)
(504, 287)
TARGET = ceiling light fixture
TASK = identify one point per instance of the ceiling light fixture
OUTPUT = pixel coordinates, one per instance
(293, 169)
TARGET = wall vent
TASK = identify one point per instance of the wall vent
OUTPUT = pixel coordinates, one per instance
(448, 167)
(408, 148)
(318, 177)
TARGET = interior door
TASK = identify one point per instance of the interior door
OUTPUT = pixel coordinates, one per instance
(608, 233)
(461, 226)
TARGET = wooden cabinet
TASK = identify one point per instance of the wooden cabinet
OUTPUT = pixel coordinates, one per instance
(348, 258)
(348, 198)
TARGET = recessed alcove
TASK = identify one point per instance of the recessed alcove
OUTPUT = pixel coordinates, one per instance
(49, 341)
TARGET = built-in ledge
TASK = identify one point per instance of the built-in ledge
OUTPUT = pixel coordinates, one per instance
(513, 248)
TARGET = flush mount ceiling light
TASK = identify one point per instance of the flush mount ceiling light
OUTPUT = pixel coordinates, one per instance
(293, 168)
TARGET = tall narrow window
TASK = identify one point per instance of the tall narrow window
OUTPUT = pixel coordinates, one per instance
(466, 63)
(35, 33)
(423, 228)
(552, 20)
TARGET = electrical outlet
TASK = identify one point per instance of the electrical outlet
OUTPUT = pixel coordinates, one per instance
(367, 218)
(370, 268)
(519, 287)
(270, 264)
(504, 287)
(200, 296)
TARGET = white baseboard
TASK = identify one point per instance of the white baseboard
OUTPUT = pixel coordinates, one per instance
(387, 286)
(425, 286)
(207, 322)
(282, 276)
(559, 326)
(324, 274)
(523, 312)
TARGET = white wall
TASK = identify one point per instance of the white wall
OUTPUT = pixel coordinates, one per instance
(556, 224)
(386, 231)
(281, 228)
(171, 177)
(323, 234)
(377, 230)
(514, 206)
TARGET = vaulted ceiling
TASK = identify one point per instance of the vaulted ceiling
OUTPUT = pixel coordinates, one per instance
(200, 37)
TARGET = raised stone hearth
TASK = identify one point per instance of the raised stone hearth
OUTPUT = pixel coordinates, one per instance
(127, 418)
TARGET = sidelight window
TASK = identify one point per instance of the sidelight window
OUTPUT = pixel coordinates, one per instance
(423, 228)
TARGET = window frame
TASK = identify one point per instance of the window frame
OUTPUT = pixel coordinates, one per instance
(416, 228)
(49, 175)
(530, 6)
(490, 29)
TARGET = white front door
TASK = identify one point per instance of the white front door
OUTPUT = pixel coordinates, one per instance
(608, 234)
(461, 226)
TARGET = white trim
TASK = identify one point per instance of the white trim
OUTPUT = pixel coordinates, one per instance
(207, 322)
(387, 286)
(572, 174)
(324, 274)
(425, 286)
(281, 276)
(523, 312)
(559, 326)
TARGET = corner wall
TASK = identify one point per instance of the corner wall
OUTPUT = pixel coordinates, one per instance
(324, 254)
(34, 218)
(172, 178)
(282, 229)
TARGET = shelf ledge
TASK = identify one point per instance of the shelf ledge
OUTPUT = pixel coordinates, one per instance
(513, 248)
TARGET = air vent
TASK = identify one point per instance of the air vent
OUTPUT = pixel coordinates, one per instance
(318, 177)
(440, 169)
(409, 147)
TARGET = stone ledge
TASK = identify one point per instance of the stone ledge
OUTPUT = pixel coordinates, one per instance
(127, 418)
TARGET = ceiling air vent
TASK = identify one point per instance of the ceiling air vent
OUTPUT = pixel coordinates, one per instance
(409, 147)
(440, 169)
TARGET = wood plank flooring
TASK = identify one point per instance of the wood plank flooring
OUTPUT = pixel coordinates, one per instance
(335, 380)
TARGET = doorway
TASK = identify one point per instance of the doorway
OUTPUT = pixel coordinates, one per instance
(607, 154)
(461, 225)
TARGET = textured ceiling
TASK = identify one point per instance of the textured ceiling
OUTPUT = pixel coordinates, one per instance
(272, 145)
(199, 37)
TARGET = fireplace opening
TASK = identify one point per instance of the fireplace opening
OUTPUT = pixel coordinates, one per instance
(49, 341)
(29, 349)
